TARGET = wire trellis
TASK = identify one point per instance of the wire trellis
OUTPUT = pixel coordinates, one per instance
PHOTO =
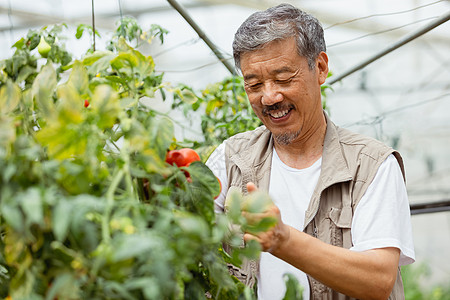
(383, 14)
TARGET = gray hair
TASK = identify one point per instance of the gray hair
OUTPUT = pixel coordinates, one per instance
(278, 23)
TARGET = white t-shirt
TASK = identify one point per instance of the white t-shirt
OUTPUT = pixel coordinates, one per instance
(291, 190)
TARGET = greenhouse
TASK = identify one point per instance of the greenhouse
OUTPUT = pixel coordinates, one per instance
(103, 102)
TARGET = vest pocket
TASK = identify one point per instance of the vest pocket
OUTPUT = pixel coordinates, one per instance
(340, 221)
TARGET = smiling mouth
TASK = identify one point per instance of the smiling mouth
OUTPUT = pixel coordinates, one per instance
(277, 111)
(279, 114)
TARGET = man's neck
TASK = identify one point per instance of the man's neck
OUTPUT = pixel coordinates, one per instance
(305, 150)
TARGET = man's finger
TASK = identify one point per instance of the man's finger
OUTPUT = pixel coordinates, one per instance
(267, 247)
(248, 237)
(255, 217)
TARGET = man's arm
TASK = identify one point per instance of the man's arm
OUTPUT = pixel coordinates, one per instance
(365, 275)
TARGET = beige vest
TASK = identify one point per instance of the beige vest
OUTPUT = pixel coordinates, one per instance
(349, 164)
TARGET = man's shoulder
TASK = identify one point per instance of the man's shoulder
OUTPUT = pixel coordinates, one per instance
(353, 145)
(366, 145)
(367, 149)
(249, 138)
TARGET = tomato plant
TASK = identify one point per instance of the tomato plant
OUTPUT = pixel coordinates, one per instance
(89, 209)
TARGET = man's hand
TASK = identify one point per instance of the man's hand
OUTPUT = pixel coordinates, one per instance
(271, 239)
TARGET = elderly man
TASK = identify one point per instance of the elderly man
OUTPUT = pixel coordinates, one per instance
(343, 216)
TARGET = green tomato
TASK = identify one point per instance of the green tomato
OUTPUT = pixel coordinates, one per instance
(256, 202)
(43, 47)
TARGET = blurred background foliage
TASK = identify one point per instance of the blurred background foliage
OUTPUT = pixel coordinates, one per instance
(416, 287)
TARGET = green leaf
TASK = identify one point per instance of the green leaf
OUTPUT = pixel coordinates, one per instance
(188, 96)
(203, 188)
(65, 286)
(12, 215)
(129, 246)
(80, 30)
(71, 104)
(31, 204)
(145, 66)
(9, 170)
(25, 72)
(202, 175)
(7, 131)
(157, 30)
(150, 160)
(125, 60)
(79, 78)
(85, 232)
(19, 44)
(116, 79)
(102, 63)
(18, 61)
(148, 285)
(263, 225)
(10, 95)
(256, 202)
(3, 273)
(106, 105)
(293, 289)
(61, 219)
(127, 103)
(233, 204)
(212, 105)
(89, 59)
(161, 133)
(118, 290)
(192, 225)
(62, 139)
(43, 87)
(252, 250)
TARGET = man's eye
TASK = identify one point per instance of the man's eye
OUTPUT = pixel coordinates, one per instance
(282, 81)
(254, 85)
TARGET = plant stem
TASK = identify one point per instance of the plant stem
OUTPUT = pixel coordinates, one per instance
(118, 174)
(124, 153)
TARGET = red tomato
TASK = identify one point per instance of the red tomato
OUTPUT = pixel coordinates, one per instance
(182, 158)
(86, 103)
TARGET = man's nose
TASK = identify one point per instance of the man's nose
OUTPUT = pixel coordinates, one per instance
(271, 95)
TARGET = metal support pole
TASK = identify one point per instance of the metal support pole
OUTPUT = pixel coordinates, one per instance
(93, 26)
(201, 34)
(432, 207)
(444, 18)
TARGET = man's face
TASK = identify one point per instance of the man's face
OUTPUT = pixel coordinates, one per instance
(283, 91)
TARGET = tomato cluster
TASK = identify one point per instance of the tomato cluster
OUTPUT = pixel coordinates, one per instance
(183, 158)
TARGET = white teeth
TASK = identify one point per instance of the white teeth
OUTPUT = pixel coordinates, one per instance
(279, 114)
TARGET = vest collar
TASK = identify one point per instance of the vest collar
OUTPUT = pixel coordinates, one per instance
(334, 169)
(334, 165)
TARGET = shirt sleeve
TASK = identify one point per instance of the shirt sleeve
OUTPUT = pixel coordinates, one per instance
(216, 162)
(382, 217)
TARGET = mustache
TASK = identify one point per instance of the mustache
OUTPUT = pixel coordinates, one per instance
(277, 106)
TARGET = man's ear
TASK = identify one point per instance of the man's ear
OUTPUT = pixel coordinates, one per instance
(322, 67)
